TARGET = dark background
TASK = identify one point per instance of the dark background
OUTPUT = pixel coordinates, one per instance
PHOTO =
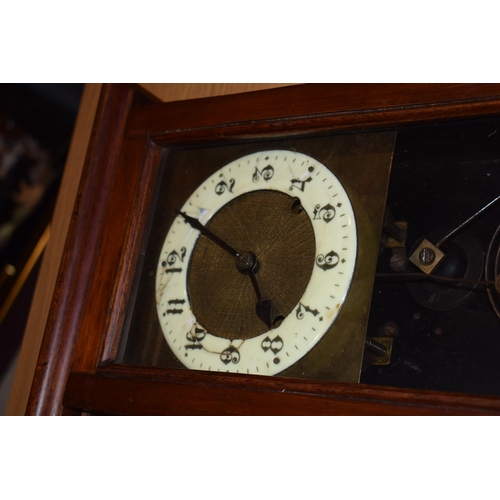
(47, 113)
(442, 174)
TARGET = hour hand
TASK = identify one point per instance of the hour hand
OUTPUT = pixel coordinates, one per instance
(265, 312)
(264, 307)
(246, 263)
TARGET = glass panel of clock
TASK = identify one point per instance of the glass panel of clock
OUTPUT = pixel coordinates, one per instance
(444, 324)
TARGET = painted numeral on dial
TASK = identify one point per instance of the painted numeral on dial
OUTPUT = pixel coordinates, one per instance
(195, 336)
(328, 261)
(224, 186)
(326, 213)
(298, 184)
(266, 173)
(230, 355)
(172, 258)
(301, 311)
(175, 302)
(275, 344)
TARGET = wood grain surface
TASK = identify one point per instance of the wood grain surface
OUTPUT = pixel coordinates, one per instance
(62, 215)
(299, 109)
(129, 390)
(215, 120)
(167, 92)
(42, 298)
(81, 250)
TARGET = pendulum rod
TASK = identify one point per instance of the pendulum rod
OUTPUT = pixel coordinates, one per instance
(467, 222)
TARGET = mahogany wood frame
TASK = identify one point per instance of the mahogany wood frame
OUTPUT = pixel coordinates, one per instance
(75, 372)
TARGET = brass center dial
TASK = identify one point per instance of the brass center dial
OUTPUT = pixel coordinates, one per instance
(268, 224)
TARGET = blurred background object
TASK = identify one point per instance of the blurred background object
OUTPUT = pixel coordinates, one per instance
(36, 124)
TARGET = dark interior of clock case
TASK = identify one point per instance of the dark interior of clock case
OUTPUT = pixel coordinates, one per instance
(445, 336)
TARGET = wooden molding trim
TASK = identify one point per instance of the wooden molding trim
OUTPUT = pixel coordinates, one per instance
(151, 391)
(42, 299)
(81, 252)
(47, 393)
(44, 290)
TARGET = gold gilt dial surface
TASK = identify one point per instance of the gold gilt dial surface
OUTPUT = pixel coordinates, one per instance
(275, 227)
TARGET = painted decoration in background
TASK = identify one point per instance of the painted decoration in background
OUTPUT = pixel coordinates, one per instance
(26, 171)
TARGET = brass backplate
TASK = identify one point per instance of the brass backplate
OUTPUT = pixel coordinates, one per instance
(360, 161)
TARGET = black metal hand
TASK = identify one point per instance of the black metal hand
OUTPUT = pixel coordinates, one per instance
(243, 259)
(246, 263)
(263, 307)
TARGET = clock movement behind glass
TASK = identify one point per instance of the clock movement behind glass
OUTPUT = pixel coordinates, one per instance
(278, 206)
(324, 235)
(445, 324)
(265, 266)
(426, 319)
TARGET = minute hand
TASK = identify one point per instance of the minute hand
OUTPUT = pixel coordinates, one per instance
(242, 259)
(196, 224)
(246, 263)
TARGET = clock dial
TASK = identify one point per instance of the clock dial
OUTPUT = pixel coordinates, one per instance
(271, 224)
(291, 215)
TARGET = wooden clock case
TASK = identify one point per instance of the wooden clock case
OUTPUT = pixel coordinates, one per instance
(76, 372)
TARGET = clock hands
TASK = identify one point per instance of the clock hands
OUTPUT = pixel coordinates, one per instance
(246, 263)
(243, 259)
(264, 307)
